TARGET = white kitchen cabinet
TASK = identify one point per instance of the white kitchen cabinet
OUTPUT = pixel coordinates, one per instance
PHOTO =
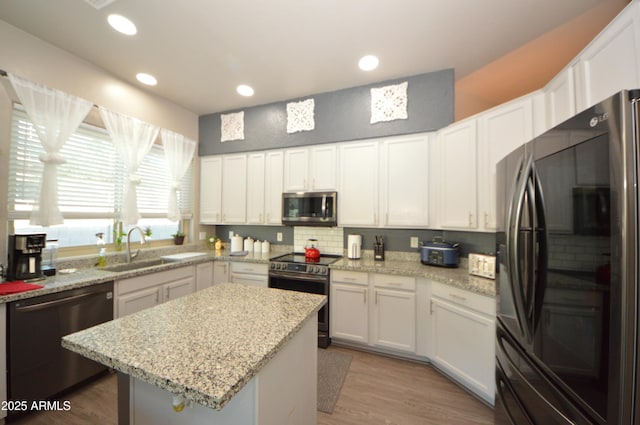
(274, 163)
(560, 97)
(463, 334)
(310, 169)
(255, 188)
(234, 189)
(405, 181)
(501, 130)
(204, 275)
(358, 184)
(349, 306)
(393, 313)
(210, 190)
(611, 62)
(220, 272)
(458, 175)
(255, 274)
(142, 292)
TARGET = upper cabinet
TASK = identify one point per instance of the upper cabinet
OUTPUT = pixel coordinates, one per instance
(255, 188)
(560, 97)
(274, 162)
(405, 182)
(310, 169)
(234, 189)
(611, 62)
(358, 184)
(501, 130)
(210, 189)
(458, 147)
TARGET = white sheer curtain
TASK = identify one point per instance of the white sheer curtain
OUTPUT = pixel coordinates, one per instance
(179, 152)
(55, 115)
(132, 139)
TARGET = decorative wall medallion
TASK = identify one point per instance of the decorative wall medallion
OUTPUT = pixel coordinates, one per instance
(300, 116)
(389, 103)
(232, 126)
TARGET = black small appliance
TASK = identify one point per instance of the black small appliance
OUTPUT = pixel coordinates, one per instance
(25, 257)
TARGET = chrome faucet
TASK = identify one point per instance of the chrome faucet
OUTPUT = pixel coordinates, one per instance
(129, 255)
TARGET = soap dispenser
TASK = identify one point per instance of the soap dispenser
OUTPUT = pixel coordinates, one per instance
(102, 250)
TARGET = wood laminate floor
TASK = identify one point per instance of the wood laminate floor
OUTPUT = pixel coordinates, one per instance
(377, 390)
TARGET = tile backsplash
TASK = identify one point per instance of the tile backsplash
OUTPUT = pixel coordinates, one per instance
(330, 239)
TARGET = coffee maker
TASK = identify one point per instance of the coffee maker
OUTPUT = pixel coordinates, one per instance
(25, 256)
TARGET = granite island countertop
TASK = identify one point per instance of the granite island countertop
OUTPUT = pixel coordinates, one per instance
(205, 346)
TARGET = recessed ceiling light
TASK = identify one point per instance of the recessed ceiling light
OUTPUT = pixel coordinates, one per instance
(147, 79)
(122, 24)
(244, 90)
(368, 63)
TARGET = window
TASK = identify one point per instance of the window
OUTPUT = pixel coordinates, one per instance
(90, 185)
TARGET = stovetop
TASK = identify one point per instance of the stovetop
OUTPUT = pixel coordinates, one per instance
(296, 257)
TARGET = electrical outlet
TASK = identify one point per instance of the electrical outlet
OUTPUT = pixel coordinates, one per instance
(202, 235)
(230, 234)
(413, 242)
(279, 236)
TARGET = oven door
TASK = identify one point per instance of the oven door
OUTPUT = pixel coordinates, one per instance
(310, 284)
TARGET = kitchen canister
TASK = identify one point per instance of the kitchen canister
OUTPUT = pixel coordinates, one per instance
(248, 244)
(265, 247)
(236, 243)
(257, 246)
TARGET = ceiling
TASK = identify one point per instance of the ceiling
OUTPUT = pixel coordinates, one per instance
(200, 50)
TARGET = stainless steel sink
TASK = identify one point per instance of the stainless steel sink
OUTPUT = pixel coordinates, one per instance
(134, 265)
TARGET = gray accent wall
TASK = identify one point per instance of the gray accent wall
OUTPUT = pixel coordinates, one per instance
(341, 115)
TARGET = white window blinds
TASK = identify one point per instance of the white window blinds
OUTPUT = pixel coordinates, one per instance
(92, 179)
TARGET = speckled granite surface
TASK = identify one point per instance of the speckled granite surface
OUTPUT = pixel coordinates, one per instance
(205, 346)
(458, 277)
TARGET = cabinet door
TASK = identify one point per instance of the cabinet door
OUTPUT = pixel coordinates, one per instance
(611, 62)
(204, 275)
(405, 181)
(234, 189)
(178, 288)
(138, 301)
(323, 168)
(210, 190)
(394, 319)
(462, 344)
(502, 129)
(296, 169)
(459, 158)
(255, 188)
(560, 97)
(220, 272)
(349, 312)
(358, 188)
(274, 163)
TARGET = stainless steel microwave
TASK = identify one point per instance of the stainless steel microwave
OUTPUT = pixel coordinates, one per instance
(310, 209)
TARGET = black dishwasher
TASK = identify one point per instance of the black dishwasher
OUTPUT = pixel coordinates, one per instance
(38, 366)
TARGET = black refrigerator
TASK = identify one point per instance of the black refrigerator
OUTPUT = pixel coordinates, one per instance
(567, 289)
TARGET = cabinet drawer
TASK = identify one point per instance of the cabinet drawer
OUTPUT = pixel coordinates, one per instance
(394, 281)
(252, 268)
(481, 303)
(126, 286)
(345, 276)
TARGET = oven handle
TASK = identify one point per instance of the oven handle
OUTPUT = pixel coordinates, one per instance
(297, 277)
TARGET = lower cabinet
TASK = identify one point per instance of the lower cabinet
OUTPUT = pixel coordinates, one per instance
(142, 292)
(462, 338)
(374, 309)
(220, 272)
(256, 274)
(349, 306)
(204, 275)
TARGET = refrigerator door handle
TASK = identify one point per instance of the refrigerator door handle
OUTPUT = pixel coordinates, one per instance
(540, 247)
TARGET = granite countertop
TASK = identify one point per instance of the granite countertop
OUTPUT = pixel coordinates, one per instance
(205, 346)
(458, 277)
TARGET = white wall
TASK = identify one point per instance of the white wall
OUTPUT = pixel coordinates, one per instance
(32, 58)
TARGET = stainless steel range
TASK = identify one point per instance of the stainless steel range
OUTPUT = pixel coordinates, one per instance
(293, 272)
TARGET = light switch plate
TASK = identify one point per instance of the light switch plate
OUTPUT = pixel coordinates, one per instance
(279, 236)
(413, 241)
(482, 265)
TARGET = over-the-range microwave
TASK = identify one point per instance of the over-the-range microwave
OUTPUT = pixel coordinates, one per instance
(310, 209)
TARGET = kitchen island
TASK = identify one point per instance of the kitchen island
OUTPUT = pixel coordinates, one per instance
(227, 354)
